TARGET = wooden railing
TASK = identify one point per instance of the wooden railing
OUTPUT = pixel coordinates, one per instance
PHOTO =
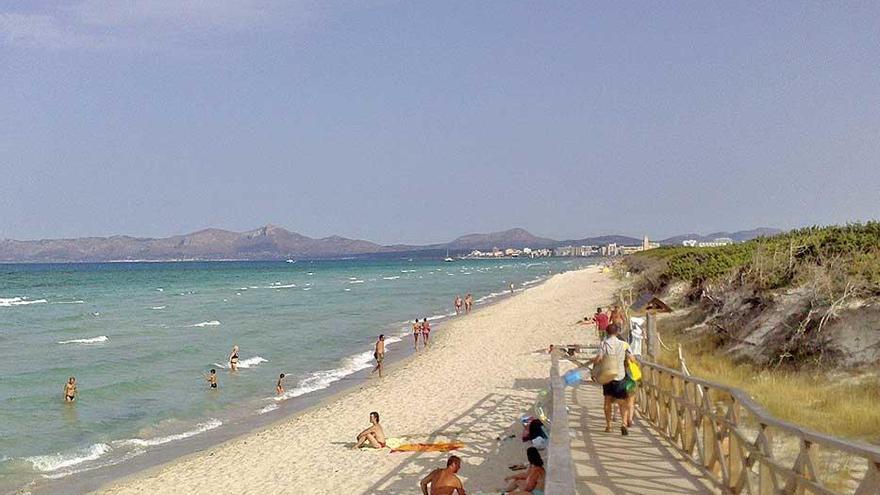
(560, 468)
(745, 450)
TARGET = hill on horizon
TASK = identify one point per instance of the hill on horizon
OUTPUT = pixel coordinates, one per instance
(272, 242)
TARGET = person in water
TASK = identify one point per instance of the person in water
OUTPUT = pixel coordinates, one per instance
(444, 481)
(279, 387)
(379, 354)
(531, 481)
(457, 303)
(374, 435)
(70, 390)
(468, 303)
(426, 332)
(212, 378)
(233, 358)
(417, 330)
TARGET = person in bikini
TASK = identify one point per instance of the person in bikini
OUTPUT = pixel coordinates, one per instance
(70, 390)
(531, 481)
(457, 305)
(426, 332)
(279, 387)
(212, 378)
(233, 358)
(468, 303)
(443, 481)
(374, 435)
(417, 330)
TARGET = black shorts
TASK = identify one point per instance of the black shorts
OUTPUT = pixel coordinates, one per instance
(615, 388)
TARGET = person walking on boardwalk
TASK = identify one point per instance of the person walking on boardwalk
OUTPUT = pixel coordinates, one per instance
(617, 351)
(379, 355)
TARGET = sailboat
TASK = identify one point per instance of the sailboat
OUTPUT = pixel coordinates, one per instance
(447, 259)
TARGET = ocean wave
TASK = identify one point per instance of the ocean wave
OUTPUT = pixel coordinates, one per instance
(212, 323)
(245, 363)
(269, 408)
(391, 278)
(150, 442)
(438, 317)
(532, 282)
(307, 288)
(54, 462)
(19, 301)
(158, 308)
(488, 297)
(355, 281)
(285, 286)
(320, 380)
(91, 340)
(68, 302)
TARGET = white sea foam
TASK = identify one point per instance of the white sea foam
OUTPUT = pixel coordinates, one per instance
(245, 363)
(160, 289)
(356, 281)
(54, 462)
(286, 286)
(307, 288)
(92, 340)
(438, 317)
(158, 308)
(212, 323)
(150, 442)
(269, 408)
(488, 297)
(391, 278)
(346, 289)
(19, 301)
(68, 302)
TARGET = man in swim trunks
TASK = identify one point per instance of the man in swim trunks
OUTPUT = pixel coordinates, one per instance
(601, 321)
(279, 387)
(444, 481)
(212, 378)
(379, 355)
(70, 390)
(374, 435)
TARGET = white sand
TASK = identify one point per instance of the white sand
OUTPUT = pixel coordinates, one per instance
(472, 385)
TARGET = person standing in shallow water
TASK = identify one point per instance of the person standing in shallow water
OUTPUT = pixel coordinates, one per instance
(457, 305)
(279, 387)
(468, 303)
(70, 390)
(212, 378)
(233, 358)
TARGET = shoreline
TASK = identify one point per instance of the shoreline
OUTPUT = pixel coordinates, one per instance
(483, 373)
(159, 456)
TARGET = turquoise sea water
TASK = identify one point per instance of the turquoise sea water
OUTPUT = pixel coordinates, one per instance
(139, 336)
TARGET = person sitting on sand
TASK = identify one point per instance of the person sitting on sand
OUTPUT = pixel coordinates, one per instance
(279, 387)
(70, 390)
(531, 481)
(379, 354)
(444, 481)
(417, 330)
(233, 358)
(426, 332)
(374, 435)
(212, 378)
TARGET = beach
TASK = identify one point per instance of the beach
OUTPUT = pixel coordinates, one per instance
(481, 373)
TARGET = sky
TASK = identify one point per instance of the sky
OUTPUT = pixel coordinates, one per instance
(420, 121)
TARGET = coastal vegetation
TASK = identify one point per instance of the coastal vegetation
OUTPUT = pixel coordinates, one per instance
(792, 319)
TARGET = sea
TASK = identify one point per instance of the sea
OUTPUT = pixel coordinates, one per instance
(139, 338)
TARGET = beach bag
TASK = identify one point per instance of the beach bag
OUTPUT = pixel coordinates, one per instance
(605, 371)
(635, 372)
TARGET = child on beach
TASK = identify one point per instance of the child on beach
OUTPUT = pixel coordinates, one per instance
(212, 378)
(279, 387)
(70, 390)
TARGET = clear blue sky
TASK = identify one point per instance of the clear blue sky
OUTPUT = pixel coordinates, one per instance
(420, 121)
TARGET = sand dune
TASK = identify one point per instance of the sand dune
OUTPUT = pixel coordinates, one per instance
(472, 385)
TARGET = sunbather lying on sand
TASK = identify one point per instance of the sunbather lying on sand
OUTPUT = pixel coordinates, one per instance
(374, 435)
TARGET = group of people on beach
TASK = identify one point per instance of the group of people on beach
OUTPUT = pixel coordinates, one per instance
(421, 329)
(463, 305)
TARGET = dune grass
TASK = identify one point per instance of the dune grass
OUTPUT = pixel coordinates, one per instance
(842, 405)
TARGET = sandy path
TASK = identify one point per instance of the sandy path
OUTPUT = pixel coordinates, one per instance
(472, 385)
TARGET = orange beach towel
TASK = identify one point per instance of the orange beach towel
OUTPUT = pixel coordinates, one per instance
(428, 447)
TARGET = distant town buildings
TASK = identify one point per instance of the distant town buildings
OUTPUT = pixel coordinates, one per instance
(611, 249)
(720, 241)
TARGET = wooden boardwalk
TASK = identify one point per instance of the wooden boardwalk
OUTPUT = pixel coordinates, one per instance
(641, 463)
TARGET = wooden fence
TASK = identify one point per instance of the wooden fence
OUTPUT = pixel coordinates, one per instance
(745, 450)
(560, 468)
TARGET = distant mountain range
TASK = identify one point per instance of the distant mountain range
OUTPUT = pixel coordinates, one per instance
(276, 243)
